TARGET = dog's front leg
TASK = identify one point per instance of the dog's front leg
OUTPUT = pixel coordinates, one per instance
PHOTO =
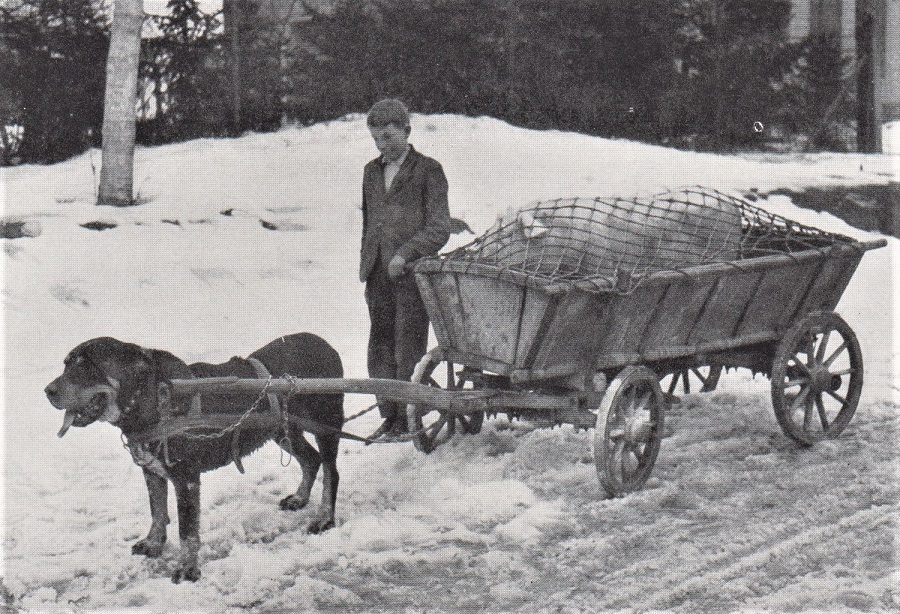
(158, 489)
(187, 490)
(324, 519)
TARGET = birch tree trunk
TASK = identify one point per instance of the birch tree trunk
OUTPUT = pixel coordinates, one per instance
(120, 102)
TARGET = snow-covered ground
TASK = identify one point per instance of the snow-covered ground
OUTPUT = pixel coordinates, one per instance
(735, 517)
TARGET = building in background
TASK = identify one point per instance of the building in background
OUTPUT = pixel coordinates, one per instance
(869, 33)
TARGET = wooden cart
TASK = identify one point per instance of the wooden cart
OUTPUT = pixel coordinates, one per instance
(606, 350)
(591, 351)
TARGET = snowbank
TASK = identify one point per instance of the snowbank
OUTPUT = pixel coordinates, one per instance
(242, 240)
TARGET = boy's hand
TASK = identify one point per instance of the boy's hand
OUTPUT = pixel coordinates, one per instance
(395, 267)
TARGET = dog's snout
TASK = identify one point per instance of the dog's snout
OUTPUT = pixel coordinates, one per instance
(52, 390)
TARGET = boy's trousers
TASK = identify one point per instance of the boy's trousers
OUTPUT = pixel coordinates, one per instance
(399, 335)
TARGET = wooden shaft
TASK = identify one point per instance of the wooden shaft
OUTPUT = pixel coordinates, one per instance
(454, 401)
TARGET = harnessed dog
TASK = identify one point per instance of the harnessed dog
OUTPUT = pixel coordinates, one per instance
(175, 439)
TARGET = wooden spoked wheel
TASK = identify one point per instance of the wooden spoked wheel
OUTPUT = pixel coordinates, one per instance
(629, 430)
(430, 426)
(817, 377)
(703, 378)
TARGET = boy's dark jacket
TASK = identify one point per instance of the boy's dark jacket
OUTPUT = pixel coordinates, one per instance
(412, 219)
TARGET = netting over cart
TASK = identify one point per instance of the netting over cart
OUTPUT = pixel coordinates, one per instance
(616, 242)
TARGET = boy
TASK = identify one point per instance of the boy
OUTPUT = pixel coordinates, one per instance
(405, 217)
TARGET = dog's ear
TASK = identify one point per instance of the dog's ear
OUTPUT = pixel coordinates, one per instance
(136, 376)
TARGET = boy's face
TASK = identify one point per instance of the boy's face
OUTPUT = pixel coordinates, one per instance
(390, 139)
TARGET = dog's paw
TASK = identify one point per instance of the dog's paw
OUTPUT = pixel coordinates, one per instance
(148, 547)
(292, 503)
(317, 525)
(191, 573)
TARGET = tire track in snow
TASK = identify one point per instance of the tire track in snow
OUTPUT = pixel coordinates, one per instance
(712, 574)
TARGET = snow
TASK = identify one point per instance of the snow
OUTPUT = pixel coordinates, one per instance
(735, 517)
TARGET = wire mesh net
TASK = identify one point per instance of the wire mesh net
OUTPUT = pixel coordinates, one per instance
(617, 242)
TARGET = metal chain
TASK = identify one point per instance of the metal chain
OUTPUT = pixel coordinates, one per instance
(361, 413)
(285, 424)
(293, 380)
(241, 420)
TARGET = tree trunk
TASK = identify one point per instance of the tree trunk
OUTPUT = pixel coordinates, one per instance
(234, 21)
(120, 104)
(512, 33)
(866, 138)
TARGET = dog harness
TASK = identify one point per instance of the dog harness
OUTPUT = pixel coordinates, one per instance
(221, 424)
(194, 424)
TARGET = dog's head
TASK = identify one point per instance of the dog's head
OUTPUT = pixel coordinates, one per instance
(101, 380)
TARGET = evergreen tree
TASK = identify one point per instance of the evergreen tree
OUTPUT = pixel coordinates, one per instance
(817, 94)
(193, 72)
(731, 55)
(52, 73)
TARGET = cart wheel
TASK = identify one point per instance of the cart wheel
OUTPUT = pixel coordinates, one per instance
(441, 425)
(629, 430)
(704, 378)
(817, 377)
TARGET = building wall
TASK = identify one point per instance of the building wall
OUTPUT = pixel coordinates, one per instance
(283, 12)
(821, 16)
(839, 16)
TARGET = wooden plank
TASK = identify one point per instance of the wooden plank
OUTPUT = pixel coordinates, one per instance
(572, 339)
(629, 317)
(780, 290)
(447, 292)
(832, 295)
(765, 262)
(822, 289)
(536, 315)
(479, 269)
(620, 359)
(677, 313)
(387, 388)
(433, 306)
(492, 310)
(483, 363)
(746, 306)
(725, 307)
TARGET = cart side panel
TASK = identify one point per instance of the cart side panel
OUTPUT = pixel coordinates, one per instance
(450, 306)
(675, 317)
(492, 310)
(572, 339)
(433, 307)
(627, 317)
(537, 315)
(723, 311)
(830, 284)
(777, 297)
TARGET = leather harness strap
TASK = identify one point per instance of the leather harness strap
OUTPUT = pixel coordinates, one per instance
(263, 373)
(195, 420)
(274, 406)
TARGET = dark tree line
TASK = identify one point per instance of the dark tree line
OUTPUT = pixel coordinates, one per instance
(52, 74)
(709, 74)
(697, 73)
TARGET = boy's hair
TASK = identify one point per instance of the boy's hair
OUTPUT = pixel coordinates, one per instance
(388, 111)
